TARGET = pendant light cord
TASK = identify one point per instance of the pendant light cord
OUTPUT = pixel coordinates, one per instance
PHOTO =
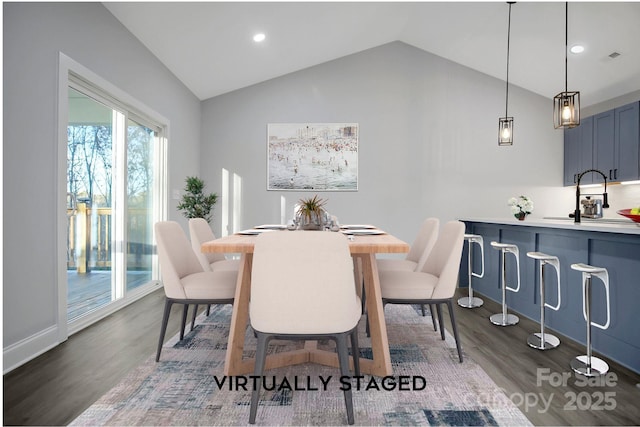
(506, 103)
(566, 43)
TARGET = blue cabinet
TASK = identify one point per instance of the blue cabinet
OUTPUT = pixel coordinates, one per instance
(627, 143)
(609, 142)
(603, 140)
(578, 152)
(618, 253)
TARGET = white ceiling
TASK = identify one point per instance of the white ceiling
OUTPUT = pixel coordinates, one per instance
(209, 46)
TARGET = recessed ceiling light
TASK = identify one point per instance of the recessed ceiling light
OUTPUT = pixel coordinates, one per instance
(577, 48)
(259, 37)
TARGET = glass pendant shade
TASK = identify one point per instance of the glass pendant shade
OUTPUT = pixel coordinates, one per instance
(505, 124)
(566, 105)
(566, 110)
(505, 131)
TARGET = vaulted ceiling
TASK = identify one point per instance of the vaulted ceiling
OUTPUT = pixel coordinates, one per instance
(209, 46)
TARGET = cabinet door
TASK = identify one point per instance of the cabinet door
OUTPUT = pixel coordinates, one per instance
(603, 142)
(571, 155)
(627, 142)
(585, 150)
(578, 152)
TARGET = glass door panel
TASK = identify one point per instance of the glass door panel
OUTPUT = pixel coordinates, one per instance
(89, 195)
(141, 143)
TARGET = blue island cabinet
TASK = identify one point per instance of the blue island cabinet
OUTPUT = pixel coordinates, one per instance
(619, 253)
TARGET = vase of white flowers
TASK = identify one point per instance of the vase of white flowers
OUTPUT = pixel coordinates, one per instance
(521, 206)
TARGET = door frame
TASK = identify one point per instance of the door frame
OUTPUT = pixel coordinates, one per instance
(67, 67)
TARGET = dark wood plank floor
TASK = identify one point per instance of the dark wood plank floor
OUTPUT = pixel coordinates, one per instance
(56, 387)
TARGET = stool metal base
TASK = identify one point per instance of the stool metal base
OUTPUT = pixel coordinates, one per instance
(598, 366)
(550, 341)
(504, 320)
(472, 302)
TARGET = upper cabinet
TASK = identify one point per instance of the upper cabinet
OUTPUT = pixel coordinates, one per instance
(627, 143)
(578, 152)
(609, 142)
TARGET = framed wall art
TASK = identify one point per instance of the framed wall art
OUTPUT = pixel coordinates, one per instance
(312, 156)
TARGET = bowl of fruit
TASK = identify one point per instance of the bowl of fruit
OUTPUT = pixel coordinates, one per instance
(633, 214)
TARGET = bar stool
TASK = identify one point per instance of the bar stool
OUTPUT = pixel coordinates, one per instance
(588, 365)
(471, 301)
(542, 340)
(505, 319)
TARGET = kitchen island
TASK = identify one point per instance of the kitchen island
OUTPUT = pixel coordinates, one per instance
(612, 244)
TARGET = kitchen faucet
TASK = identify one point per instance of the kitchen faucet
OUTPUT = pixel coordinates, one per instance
(605, 196)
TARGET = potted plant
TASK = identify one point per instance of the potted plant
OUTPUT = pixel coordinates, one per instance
(520, 207)
(311, 213)
(194, 203)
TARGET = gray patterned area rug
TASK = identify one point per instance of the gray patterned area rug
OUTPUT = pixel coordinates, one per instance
(188, 387)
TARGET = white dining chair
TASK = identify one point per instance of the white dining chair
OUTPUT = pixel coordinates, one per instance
(302, 288)
(435, 283)
(417, 255)
(200, 232)
(184, 280)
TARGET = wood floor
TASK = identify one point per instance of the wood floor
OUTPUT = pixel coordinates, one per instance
(56, 387)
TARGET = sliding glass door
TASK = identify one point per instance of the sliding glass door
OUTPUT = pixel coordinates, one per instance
(113, 174)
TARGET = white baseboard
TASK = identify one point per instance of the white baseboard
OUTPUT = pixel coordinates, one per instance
(29, 348)
(19, 353)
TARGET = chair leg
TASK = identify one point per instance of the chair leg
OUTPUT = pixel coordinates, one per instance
(343, 358)
(355, 351)
(439, 309)
(193, 317)
(261, 355)
(208, 310)
(366, 325)
(184, 320)
(163, 328)
(455, 329)
(432, 308)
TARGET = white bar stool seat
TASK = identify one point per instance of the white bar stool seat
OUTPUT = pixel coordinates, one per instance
(543, 340)
(471, 301)
(588, 365)
(504, 318)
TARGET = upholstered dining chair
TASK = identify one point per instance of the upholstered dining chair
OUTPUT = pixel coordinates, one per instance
(200, 232)
(417, 255)
(185, 282)
(435, 283)
(419, 250)
(302, 288)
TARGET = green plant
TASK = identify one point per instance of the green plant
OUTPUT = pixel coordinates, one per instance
(311, 208)
(194, 203)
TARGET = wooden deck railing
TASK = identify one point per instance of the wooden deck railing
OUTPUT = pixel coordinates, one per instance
(89, 239)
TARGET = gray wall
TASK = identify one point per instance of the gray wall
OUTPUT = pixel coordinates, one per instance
(34, 34)
(428, 140)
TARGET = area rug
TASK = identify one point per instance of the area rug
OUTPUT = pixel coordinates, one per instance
(188, 387)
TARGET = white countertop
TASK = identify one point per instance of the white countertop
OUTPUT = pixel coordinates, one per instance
(622, 226)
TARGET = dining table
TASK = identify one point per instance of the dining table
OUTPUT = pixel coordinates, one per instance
(364, 243)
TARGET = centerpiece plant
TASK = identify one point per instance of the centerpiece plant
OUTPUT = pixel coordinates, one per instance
(310, 213)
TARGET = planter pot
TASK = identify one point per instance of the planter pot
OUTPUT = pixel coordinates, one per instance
(521, 216)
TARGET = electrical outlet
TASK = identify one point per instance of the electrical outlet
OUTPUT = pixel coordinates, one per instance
(176, 194)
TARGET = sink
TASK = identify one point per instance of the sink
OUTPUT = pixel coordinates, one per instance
(592, 220)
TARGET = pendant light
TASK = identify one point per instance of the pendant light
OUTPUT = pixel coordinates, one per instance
(566, 105)
(505, 124)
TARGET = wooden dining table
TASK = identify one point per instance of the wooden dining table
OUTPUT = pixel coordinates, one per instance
(363, 250)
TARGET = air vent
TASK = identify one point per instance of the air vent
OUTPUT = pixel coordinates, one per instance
(614, 55)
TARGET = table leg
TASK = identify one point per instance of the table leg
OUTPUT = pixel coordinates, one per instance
(381, 363)
(239, 318)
